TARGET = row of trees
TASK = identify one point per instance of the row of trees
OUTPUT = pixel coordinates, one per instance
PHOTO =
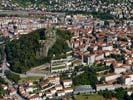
(118, 57)
(1, 54)
(120, 94)
(103, 67)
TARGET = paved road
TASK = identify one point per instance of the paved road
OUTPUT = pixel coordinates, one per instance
(21, 12)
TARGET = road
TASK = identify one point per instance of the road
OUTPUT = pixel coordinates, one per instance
(21, 12)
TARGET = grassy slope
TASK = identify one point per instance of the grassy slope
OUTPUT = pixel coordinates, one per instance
(89, 97)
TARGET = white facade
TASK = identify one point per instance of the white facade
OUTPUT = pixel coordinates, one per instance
(67, 83)
(58, 87)
(91, 59)
(29, 89)
(112, 77)
(110, 48)
(99, 57)
(119, 70)
(127, 81)
(68, 90)
(60, 93)
(48, 95)
(53, 91)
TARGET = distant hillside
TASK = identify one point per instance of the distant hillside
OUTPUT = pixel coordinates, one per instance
(33, 3)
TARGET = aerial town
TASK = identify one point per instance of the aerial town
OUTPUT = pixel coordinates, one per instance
(66, 50)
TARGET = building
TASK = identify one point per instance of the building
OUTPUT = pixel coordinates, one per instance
(67, 83)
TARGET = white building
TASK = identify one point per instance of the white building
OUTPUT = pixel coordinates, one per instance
(48, 94)
(119, 70)
(58, 87)
(53, 91)
(68, 90)
(110, 77)
(109, 47)
(60, 93)
(67, 83)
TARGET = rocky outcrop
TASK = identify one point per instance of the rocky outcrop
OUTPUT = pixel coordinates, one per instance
(46, 44)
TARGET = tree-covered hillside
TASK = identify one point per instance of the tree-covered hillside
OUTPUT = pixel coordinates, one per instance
(22, 53)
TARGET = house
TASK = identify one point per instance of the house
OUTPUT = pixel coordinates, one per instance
(107, 86)
(108, 47)
(30, 83)
(52, 91)
(29, 89)
(68, 90)
(119, 70)
(67, 83)
(110, 77)
(58, 87)
(99, 56)
(128, 79)
(90, 59)
(4, 87)
(60, 93)
(54, 80)
(12, 91)
(106, 52)
(48, 94)
(34, 97)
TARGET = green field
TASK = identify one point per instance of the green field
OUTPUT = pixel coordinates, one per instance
(60, 67)
(29, 78)
(89, 97)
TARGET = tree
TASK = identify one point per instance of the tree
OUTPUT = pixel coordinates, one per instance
(106, 94)
(88, 77)
(13, 77)
(21, 53)
(112, 69)
(106, 23)
(131, 96)
(120, 80)
(92, 77)
(2, 81)
(81, 79)
(102, 79)
(127, 97)
(2, 92)
(120, 93)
